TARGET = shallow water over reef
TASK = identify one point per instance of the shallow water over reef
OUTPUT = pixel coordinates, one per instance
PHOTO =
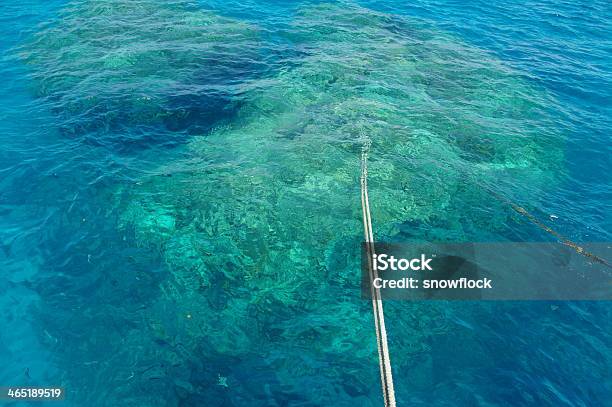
(181, 198)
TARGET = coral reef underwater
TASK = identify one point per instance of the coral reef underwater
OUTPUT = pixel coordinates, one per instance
(257, 223)
(113, 69)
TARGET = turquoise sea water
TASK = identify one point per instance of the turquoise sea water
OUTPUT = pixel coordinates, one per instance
(180, 196)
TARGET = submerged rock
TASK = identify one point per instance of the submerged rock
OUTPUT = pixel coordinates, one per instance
(444, 123)
(115, 64)
(274, 195)
(260, 225)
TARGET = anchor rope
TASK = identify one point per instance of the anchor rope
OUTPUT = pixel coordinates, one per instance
(539, 224)
(379, 316)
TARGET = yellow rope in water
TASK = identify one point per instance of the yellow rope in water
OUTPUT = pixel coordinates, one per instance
(562, 239)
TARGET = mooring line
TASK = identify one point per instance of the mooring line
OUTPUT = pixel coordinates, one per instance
(379, 316)
(536, 222)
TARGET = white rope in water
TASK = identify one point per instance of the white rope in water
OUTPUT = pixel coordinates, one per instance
(379, 316)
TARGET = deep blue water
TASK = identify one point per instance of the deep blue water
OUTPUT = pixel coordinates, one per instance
(99, 176)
